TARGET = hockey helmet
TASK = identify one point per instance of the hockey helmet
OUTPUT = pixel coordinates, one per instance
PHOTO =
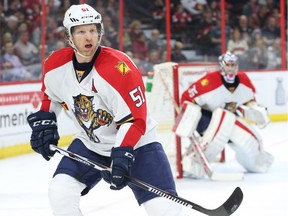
(229, 65)
(82, 14)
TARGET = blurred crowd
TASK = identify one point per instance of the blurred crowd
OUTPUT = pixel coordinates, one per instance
(252, 32)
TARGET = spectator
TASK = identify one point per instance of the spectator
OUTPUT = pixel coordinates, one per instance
(110, 38)
(14, 68)
(180, 21)
(111, 9)
(11, 26)
(26, 50)
(13, 7)
(140, 46)
(271, 31)
(7, 36)
(271, 6)
(216, 38)
(163, 56)
(277, 15)
(215, 9)
(177, 55)
(141, 64)
(261, 16)
(130, 35)
(250, 8)
(244, 28)
(257, 54)
(158, 13)
(147, 65)
(22, 26)
(274, 55)
(204, 30)
(154, 42)
(238, 46)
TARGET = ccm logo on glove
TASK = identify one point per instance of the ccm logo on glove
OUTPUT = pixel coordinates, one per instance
(44, 122)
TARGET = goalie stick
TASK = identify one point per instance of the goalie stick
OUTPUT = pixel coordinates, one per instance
(227, 208)
(215, 176)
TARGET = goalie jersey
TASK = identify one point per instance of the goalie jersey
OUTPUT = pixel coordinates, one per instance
(104, 98)
(211, 92)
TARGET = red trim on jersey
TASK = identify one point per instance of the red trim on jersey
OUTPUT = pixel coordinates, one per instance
(106, 65)
(45, 103)
(206, 84)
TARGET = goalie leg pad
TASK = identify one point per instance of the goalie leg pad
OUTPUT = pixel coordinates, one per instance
(247, 144)
(187, 120)
(161, 206)
(64, 195)
(218, 133)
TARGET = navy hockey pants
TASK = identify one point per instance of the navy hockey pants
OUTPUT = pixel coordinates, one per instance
(151, 166)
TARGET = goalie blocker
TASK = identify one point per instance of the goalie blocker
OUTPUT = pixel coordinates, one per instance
(226, 128)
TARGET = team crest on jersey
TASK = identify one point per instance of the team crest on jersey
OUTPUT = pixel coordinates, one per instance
(204, 82)
(88, 118)
(123, 68)
(231, 106)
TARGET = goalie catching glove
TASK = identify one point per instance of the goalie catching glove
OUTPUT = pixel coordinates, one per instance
(255, 113)
(44, 132)
(122, 160)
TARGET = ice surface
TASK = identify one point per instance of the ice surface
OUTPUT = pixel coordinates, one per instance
(24, 181)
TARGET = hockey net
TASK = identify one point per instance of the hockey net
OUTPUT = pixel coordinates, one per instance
(169, 81)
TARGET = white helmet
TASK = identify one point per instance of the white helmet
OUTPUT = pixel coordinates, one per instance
(81, 14)
(229, 66)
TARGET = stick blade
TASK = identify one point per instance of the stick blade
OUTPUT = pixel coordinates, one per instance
(231, 204)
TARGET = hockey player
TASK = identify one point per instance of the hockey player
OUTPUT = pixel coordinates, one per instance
(222, 108)
(103, 93)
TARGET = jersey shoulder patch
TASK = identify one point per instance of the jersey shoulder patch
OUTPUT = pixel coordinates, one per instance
(209, 82)
(115, 65)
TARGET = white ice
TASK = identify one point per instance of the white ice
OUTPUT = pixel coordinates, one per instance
(24, 181)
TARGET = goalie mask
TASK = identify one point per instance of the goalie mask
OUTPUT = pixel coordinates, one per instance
(229, 66)
(82, 14)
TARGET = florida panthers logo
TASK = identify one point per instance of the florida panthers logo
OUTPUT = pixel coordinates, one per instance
(231, 106)
(89, 119)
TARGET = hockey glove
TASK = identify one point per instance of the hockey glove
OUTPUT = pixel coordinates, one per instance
(122, 160)
(44, 132)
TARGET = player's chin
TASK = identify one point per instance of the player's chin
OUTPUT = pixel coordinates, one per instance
(89, 52)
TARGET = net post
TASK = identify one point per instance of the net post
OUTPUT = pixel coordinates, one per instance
(177, 138)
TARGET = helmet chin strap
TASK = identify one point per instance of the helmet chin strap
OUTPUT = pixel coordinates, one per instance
(80, 54)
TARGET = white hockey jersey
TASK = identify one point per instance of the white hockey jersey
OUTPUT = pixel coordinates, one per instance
(107, 103)
(210, 92)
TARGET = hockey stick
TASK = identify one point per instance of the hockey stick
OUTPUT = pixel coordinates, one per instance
(208, 169)
(227, 208)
